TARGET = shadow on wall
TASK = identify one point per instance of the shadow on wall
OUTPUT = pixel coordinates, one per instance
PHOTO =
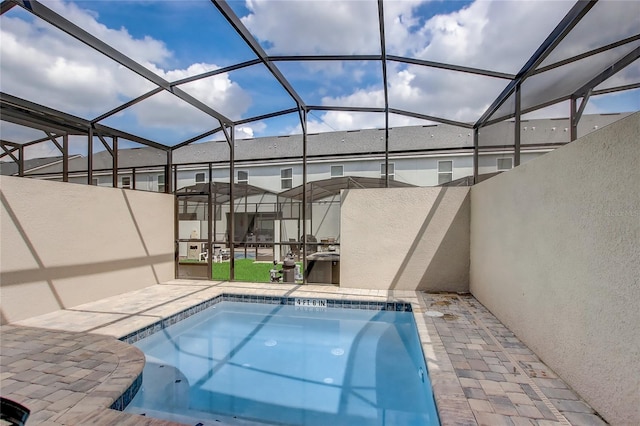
(440, 249)
(49, 263)
(420, 242)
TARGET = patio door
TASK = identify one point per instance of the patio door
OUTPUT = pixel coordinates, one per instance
(193, 236)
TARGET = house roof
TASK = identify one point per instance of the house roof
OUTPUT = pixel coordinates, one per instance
(321, 189)
(365, 142)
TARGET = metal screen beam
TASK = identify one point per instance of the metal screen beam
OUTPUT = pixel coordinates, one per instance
(616, 89)
(587, 54)
(240, 28)
(78, 33)
(127, 104)
(611, 70)
(30, 114)
(383, 50)
(343, 108)
(90, 157)
(6, 6)
(450, 67)
(516, 131)
(267, 116)
(303, 124)
(571, 19)
(9, 152)
(216, 72)
(302, 58)
(431, 118)
(196, 138)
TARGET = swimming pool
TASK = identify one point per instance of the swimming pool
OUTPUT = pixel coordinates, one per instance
(247, 363)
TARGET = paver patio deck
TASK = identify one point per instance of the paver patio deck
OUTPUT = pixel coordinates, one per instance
(68, 367)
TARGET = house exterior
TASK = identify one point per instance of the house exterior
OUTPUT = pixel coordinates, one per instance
(427, 155)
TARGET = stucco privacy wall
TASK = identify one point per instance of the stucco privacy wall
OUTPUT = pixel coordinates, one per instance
(405, 239)
(555, 255)
(62, 244)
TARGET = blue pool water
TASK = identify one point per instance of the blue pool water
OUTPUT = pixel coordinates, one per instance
(252, 363)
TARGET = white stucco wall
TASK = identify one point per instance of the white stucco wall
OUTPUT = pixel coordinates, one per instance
(405, 239)
(63, 244)
(555, 255)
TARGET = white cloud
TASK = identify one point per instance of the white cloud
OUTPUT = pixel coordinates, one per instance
(496, 35)
(43, 65)
(315, 27)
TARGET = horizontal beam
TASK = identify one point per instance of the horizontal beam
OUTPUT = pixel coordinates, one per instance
(228, 13)
(78, 33)
(431, 118)
(570, 20)
(450, 67)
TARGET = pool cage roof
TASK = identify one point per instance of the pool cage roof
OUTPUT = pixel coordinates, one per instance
(106, 90)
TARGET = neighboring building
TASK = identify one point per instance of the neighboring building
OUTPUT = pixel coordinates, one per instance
(427, 155)
(34, 165)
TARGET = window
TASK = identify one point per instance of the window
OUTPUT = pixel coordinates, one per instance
(337, 171)
(286, 178)
(243, 176)
(199, 177)
(505, 164)
(126, 182)
(392, 171)
(160, 183)
(445, 171)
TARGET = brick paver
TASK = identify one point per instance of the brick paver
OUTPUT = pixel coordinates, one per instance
(481, 374)
(505, 382)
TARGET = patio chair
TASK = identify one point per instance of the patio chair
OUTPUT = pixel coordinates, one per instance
(204, 252)
(295, 249)
(12, 412)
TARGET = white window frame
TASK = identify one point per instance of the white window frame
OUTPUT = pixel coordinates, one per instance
(392, 170)
(504, 169)
(286, 182)
(245, 180)
(337, 167)
(441, 173)
(161, 183)
(126, 179)
(200, 175)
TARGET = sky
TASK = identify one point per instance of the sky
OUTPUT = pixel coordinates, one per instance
(178, 39)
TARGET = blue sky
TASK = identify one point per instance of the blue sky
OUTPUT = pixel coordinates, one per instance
(177, 39)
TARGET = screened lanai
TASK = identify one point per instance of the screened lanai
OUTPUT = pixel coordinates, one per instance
(168, 114)
(206, 82)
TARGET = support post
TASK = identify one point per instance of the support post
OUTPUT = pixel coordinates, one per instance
(169, 177)
(476, 155)
(232, 227)
(303, 123)
(90, 157)
(115, 161)
(573, 124)
(517, 131)
(65, 157)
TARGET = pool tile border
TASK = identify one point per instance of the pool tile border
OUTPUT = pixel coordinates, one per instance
(251, 298)
(123, 401)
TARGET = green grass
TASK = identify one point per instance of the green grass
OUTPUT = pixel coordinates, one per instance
(246, 270)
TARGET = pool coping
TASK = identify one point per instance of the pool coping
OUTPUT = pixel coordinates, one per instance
(447, 391)
(123, 315)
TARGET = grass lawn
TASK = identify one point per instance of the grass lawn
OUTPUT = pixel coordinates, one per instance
(246, 270)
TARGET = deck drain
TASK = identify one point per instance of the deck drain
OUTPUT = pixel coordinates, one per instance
(434, 314)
